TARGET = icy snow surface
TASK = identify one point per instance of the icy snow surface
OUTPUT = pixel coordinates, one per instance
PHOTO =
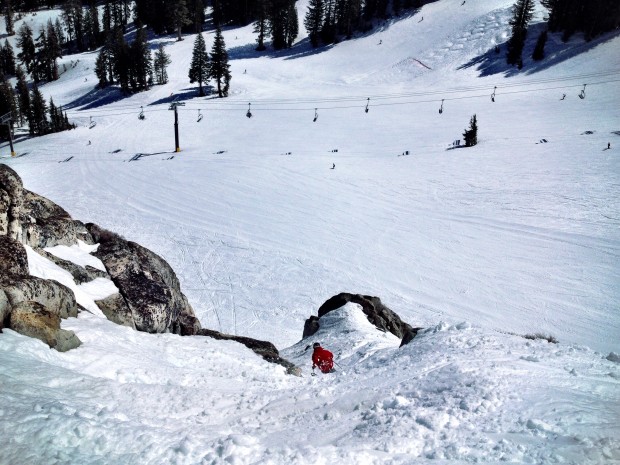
(479, 246)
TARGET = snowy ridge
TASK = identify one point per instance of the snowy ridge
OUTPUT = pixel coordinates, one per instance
(454, 395)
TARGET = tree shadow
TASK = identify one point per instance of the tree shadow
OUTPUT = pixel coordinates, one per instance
(300, 49)
(304, 48)
(97, 98)
(187, 94)
(491, 63)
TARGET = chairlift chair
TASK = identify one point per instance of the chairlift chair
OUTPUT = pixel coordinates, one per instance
(582, 94)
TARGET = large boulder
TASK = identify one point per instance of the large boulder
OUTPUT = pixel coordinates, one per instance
(13, 257)
(79, 273)
(5, 309)
(147, 283)
(265, 349)
(116, 310)
(55, 297)
(377, 313)
(45, 224)
(11, 190)
(34, 320)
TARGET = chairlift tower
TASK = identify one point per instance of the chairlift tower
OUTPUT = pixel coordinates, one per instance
(7, 119)
(173, 106)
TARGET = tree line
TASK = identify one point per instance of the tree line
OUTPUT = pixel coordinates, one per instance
(592, 18)
(27, 105)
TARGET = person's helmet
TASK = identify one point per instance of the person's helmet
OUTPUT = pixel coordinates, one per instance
(316, 344)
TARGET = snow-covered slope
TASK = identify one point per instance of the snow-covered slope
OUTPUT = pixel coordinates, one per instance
(514, 236)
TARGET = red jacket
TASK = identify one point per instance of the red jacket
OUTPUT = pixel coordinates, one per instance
(323, 359)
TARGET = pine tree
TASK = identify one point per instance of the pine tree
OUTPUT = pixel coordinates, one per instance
(328, 30)
(60, 34)
(160, 62)
(92, 29)
(199, 67)
(219, 69)
(102, 65)
(68, 125)
(539, 50)
(370, 9)
(180, 17)
(40, 68)
(522, 13)
(313, 21)
(197, 14)
(25, 42)
(279, 14)
(54, 124)
(471, 135)
(107, 19)
(396, 7)
(54, 43)
(292, 25)
(261, 26)
(8, 59)
(7, 105)
(37, 117)
(592, 17)
(121, 57)
(141, 64)
(73, 18)
(23, 96)
(8, 18)
(349, 16)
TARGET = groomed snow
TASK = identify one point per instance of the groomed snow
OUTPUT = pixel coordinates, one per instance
(479, 246)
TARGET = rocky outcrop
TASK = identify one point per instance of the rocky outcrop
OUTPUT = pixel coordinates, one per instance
(263, 348)
(13, 258)
(58, 299)
(149, 297)
(5, 309)
(116, 310)
(33, 306)
(34, 320)
(45, 224)
(79, 273)
(10, 203)
(147, 283)
(378, 314)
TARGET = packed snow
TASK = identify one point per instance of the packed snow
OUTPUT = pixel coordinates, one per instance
(480, 246)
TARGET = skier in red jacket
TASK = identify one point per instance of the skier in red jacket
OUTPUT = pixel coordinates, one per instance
(322, 358)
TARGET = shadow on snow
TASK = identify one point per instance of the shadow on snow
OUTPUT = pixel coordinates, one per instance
(303, 48)
(556, 52)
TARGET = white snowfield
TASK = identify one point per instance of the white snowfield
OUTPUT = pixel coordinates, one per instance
(480, 246)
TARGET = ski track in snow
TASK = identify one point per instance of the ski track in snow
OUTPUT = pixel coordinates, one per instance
(478, 246)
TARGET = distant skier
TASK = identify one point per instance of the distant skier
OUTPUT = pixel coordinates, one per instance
(608, 145)
(333, 166)
(322, 358)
